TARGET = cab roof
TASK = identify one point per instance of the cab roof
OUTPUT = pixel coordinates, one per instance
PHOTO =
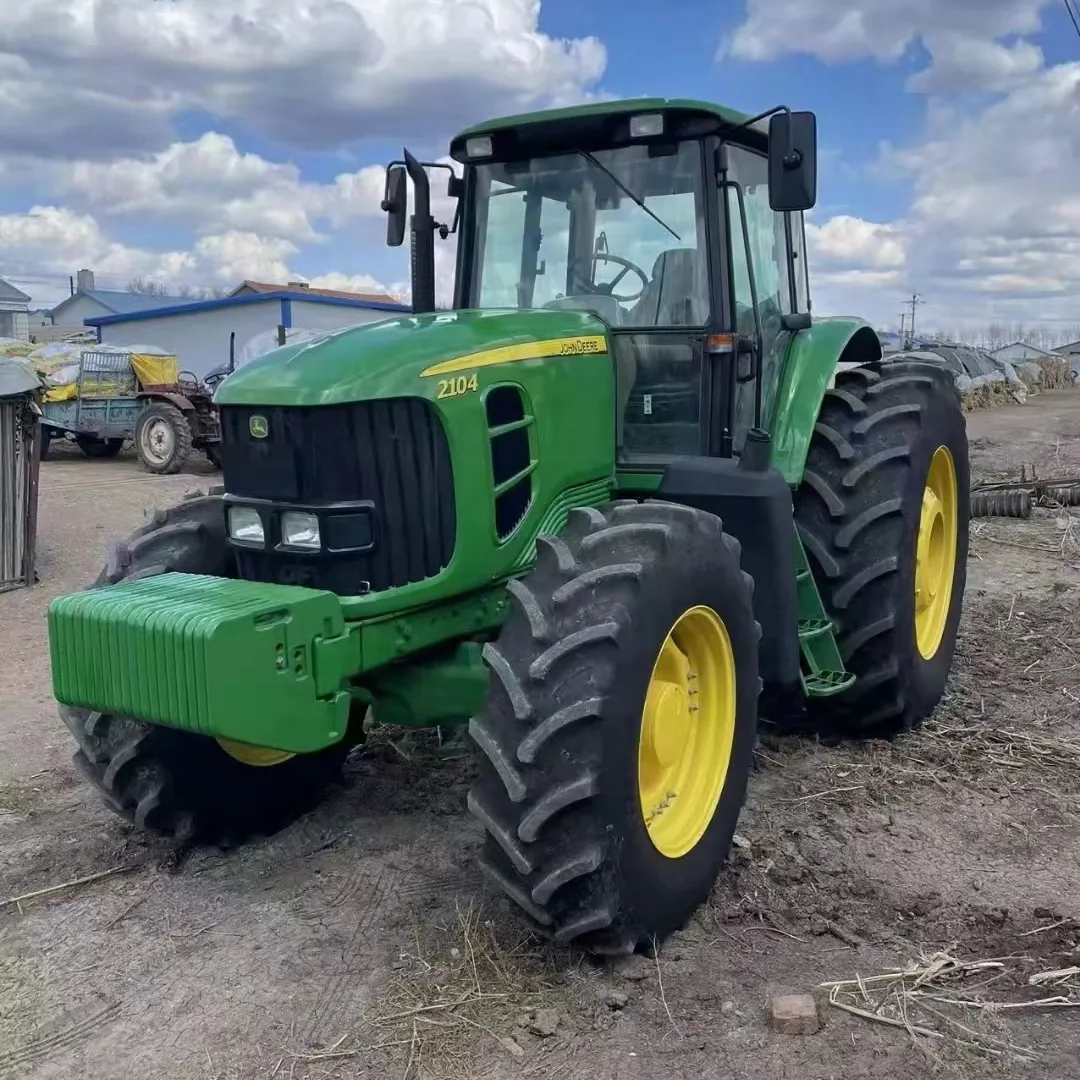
(694, 117)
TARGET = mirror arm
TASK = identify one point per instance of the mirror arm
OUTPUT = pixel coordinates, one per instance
(792, 158)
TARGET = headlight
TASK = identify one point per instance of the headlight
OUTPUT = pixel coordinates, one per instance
(245, 525)
(300, 530)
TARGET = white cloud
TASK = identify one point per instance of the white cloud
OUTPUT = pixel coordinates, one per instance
(962, 36)
(209, 185)
(313, 73)
(964, 63)
(851, 240)
(53, 239)
(230, 257)
(996, 213)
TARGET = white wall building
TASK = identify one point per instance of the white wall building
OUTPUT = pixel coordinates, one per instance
(14, 312)
(199, 333)
(1019, 351)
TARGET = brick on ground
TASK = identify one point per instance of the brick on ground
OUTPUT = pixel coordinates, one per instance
(794, 1014)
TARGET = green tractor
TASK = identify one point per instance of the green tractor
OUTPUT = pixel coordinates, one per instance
(619, 500)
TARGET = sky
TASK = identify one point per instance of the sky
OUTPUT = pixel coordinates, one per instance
(199, 143)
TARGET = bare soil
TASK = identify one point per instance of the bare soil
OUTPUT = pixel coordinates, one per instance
(360, 942)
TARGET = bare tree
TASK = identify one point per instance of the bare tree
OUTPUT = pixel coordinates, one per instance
(999, 334)
(184, 292)
(147, 288)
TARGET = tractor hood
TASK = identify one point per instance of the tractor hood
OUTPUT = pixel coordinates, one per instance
(404, 356)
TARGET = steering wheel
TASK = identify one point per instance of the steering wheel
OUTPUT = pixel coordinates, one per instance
(608, 288)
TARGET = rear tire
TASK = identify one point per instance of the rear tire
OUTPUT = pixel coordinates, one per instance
(171, 782)
(560, 791)
(45, 437)
(858, 512)
(163, 438)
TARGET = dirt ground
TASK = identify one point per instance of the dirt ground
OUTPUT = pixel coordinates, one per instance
(361, 943)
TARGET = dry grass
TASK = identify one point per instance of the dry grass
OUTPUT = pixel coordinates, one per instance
(1008, 719)
(942, 998)
(471, 983)
(1007, 734)
(989, 396)
(1056, 374)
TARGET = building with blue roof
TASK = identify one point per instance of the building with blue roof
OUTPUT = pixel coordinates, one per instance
(88, 302)
(202, 334)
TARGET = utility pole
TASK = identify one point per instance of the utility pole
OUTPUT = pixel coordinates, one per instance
(903, 340)
(914, 302)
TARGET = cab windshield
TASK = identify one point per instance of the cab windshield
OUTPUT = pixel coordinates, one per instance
(619, 232)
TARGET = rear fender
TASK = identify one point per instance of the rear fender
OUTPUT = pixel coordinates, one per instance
(812, 361)
(179, 400)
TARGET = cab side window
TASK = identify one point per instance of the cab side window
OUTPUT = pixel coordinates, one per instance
(766, 234)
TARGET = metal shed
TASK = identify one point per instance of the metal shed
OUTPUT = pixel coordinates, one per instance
(20, 456)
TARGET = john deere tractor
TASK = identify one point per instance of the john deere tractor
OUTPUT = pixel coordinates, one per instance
(621, 498)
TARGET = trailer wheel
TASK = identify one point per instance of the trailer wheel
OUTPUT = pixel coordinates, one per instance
(163, 437)
(883, 512)
(174, 783)
(45, 437)
(99, 448)
(619, 728)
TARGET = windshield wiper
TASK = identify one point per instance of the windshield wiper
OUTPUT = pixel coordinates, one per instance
(626, 191)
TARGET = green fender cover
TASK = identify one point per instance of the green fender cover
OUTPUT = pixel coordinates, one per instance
(808, 372)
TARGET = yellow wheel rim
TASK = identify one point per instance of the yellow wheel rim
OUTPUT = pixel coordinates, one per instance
(259, 756)
(935, 553)
(687, 732)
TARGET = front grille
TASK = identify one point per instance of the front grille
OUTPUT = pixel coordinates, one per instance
(392, 454)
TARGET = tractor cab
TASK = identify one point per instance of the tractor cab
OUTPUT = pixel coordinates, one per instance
(678, 224)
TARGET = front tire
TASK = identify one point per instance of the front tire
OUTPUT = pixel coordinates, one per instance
(883, 512)
(587, 730)
(173, 783)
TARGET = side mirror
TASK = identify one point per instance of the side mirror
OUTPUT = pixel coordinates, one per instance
(792, 161)
(395, 203)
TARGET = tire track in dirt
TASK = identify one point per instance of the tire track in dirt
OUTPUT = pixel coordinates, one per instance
(365, 895)
(378, 898)
(16, 1063)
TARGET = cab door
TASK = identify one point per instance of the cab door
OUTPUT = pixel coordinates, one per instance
(763, 283)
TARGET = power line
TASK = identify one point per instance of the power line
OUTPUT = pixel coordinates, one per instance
(1072, 16)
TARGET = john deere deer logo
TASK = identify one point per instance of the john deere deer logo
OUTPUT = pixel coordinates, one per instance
(258, 427)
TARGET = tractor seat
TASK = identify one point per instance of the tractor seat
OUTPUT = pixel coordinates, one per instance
(676, 295)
